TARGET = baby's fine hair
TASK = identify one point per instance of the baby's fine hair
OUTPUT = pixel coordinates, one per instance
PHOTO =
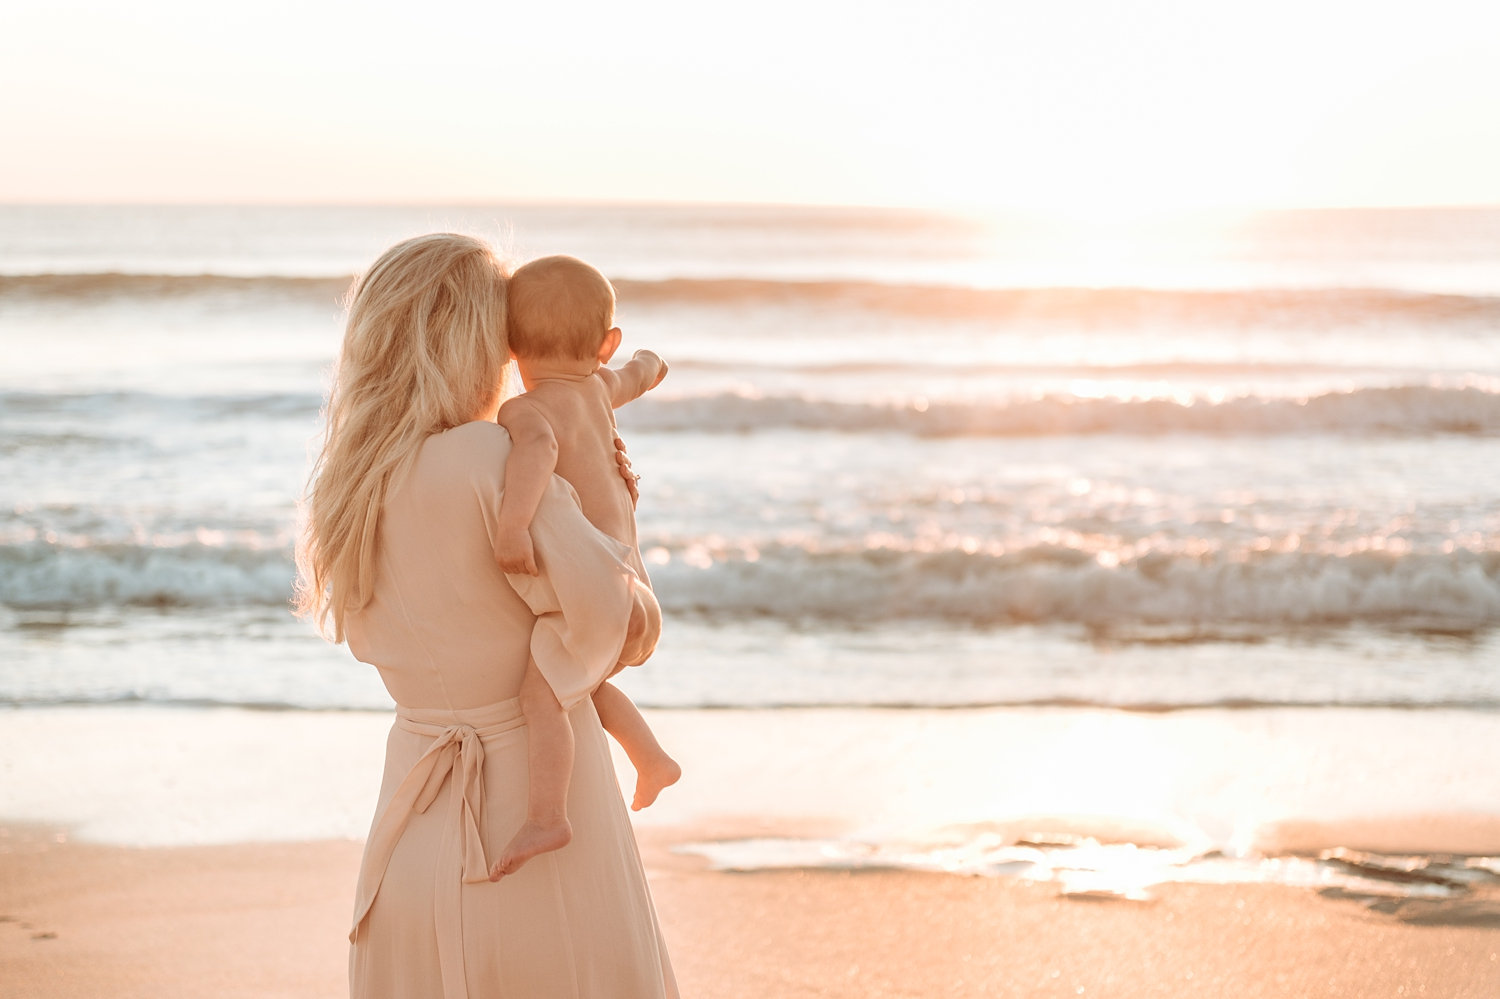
(559, 307)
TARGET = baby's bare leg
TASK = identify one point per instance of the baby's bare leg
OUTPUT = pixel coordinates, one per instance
(654, 769)
(549, 756)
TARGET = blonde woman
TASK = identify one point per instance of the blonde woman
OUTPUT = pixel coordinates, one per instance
(398, 559)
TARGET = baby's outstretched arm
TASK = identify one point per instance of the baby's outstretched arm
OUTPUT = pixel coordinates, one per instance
(634, 378)
(533, 456)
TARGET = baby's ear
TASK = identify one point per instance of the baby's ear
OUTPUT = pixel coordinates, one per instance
(610, 345)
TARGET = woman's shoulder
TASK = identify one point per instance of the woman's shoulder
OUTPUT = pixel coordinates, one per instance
(461, 451)
(479, 438)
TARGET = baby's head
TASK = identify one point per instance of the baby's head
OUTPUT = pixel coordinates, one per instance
(560, 309)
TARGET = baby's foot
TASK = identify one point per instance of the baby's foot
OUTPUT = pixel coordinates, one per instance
(651, 776)
(532, 839)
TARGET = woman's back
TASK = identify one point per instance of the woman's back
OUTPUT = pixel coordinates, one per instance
(445, 627)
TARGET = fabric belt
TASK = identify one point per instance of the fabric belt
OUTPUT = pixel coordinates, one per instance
(457, 749)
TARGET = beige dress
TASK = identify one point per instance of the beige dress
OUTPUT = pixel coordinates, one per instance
(451, 636)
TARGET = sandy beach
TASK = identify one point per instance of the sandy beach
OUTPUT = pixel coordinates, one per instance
(206, 861)
(264, 920)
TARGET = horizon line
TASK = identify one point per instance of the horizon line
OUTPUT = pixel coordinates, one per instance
(689, 203)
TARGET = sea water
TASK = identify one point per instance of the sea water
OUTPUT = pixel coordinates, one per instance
(901, 460)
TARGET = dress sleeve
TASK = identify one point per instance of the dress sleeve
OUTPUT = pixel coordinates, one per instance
(584, 599)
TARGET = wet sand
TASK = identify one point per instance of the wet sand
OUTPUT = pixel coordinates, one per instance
(268, 920)
(136, 900)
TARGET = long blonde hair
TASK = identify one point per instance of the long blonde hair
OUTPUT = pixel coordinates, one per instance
(424, 350)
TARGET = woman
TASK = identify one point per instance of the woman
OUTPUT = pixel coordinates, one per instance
(398, 558)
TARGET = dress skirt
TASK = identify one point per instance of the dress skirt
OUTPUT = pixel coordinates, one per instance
(576, 923)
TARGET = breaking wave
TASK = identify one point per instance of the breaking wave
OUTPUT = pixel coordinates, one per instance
(43, 574)
(1405, 410)
(1045, 584)
(1057, 585)
(1399, 410)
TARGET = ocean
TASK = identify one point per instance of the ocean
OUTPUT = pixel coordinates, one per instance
(902, 460)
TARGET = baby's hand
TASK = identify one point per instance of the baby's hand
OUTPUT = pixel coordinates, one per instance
(515, 554)
(652, 356)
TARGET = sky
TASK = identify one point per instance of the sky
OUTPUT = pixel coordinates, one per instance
(1093, 107)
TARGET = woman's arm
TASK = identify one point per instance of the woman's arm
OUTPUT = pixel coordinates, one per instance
(592, 611)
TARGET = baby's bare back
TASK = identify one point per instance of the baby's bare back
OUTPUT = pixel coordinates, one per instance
(583, 422)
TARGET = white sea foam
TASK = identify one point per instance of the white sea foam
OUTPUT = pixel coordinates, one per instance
(1047, 584)
(42, 574)
(1459, 590)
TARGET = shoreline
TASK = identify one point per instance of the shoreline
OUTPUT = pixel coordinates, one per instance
(1242, 783)
(269, 919)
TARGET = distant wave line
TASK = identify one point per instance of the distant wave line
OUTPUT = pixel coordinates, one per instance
(123, 284)
(1126, 306)
(1021, 370)
(1106, 304)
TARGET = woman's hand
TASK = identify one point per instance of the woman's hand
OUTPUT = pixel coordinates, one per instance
(632, 481)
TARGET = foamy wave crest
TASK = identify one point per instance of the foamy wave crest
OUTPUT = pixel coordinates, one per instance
(99, 405)
(42, 574)
(1048, 584)
(1040, 585)
(1400, 410)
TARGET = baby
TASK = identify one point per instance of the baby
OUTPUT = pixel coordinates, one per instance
(562, 333)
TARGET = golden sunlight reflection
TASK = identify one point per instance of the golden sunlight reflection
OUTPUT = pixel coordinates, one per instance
(1085, 244)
